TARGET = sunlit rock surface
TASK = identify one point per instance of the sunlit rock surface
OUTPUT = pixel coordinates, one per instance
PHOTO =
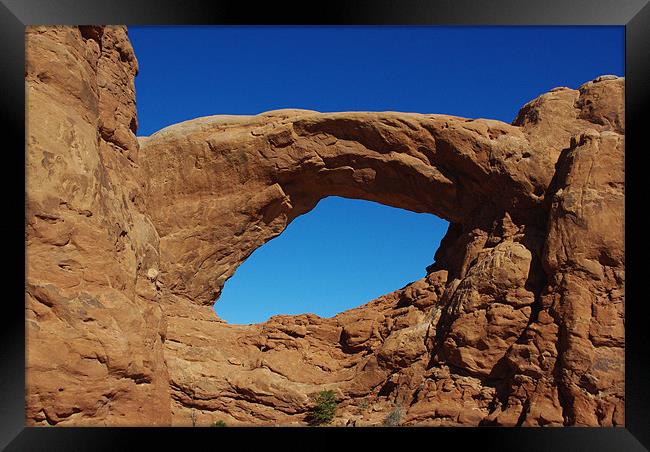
(520, 320)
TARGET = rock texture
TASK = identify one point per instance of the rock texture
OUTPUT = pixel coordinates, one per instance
(94, 330)
(519, 321)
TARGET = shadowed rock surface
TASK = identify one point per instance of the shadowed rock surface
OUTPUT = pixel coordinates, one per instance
(519, 321)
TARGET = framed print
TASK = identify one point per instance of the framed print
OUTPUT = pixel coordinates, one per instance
(380, 218)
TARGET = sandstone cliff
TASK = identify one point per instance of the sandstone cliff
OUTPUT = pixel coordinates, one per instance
(519, 321)
(94, 332)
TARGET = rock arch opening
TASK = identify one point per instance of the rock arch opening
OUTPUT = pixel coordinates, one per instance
(342, 254)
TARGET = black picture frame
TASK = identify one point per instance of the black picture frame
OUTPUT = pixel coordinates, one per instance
(16, 14)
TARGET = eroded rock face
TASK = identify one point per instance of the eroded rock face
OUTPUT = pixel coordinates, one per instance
(518, 322)
(94, 326)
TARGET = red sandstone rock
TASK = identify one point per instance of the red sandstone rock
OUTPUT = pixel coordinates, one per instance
(129, 243)
(94, 325)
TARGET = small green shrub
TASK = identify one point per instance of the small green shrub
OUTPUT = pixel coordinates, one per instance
(363, 405)
(219, 424)
(394, 417)
(324, 410)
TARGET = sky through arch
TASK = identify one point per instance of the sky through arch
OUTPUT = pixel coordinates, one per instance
(342, 254)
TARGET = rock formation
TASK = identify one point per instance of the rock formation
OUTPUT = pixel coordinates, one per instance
(519, 321)
(94, 335)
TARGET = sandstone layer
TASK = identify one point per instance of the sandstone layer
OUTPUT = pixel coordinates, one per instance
(519, 321)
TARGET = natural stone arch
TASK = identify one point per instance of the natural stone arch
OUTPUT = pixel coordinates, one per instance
(219, 187)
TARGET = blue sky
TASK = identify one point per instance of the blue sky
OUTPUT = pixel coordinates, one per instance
(346, 252)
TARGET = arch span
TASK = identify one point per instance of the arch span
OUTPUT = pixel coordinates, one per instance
(220, 187)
